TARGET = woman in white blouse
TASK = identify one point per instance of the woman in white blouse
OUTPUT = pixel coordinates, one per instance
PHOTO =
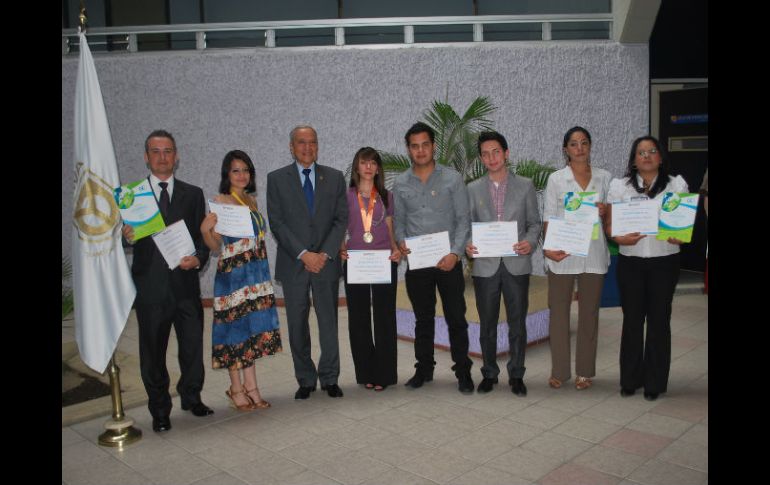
(563, 269)
(648, 270)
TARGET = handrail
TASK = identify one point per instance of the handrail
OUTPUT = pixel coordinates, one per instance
(339, 25)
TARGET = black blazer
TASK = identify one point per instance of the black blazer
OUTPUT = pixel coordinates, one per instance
(154, 281)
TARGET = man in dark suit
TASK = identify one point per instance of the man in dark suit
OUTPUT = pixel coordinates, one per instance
(502, 196)
(308, 215)
(164, 296)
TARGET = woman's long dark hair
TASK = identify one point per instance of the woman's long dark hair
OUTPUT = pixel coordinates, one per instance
(224, 182)
(632, 171)
(369, 153)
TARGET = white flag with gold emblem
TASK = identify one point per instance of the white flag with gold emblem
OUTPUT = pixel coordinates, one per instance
(102, 284)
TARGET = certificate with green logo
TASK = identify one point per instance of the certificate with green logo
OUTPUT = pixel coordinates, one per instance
(138, 208)
(581, 207)
(677, 216)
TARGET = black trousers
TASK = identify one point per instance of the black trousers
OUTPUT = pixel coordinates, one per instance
(373, 359)
(421, 287)
(515, 292)
(155, 322)
(646, 292)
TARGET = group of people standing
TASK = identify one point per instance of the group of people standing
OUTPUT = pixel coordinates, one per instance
(316, 220)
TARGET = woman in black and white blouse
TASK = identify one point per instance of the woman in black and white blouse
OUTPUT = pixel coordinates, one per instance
(648, 270)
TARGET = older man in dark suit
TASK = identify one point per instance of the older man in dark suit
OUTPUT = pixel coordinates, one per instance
(308, 215)
(165, 296)
(502, 196)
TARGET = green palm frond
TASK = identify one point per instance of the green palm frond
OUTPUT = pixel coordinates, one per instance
(536, 171)
(476, 170)
(393, 164)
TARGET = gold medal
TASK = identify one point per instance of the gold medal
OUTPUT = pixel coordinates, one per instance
(368, 238)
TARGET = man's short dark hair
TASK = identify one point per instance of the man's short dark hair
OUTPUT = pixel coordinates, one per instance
(158, 134)
(490, 136)
(420, 127)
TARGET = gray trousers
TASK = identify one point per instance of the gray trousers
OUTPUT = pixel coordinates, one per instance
(560, 288)
(325, 296)
(515, 292)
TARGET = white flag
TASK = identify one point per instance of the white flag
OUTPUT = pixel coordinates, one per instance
(102, 284)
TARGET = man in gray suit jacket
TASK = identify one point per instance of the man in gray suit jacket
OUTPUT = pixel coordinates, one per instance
(503, 196)
(308, 215)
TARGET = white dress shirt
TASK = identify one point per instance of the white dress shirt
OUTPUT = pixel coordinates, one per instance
(559, 183)
(649, 246)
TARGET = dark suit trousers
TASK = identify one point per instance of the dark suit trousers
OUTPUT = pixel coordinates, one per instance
(155, 320)
(325, 296)
(646, 292)
(421, 287)
(374, 360)
(515, 291)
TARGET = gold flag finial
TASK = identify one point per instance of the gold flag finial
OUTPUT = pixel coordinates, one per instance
(82, 17)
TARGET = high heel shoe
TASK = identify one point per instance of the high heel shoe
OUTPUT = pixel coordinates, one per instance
(260, 404)
(240, 407)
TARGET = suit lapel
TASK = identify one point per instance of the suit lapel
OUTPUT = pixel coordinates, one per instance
(488, 207)
(510, 197)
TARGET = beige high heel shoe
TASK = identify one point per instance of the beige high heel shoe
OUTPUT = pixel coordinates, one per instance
(240, 407)
(260, 404)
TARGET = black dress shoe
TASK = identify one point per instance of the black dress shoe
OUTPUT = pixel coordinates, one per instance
(651, 396)
(627, 392)
(161, 423)
(486, 384)
(518, 387)
(465, 383)
(199, 409)
(304, 392)
(418, 379)
(333, 390)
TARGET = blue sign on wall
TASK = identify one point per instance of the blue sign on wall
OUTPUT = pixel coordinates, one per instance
(689, 119)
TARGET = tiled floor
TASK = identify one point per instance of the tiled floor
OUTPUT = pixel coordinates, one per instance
(425, 436)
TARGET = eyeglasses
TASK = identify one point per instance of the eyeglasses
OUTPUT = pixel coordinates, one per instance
(644, 153)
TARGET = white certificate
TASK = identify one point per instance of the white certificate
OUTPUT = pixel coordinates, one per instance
(427, 250)
(637, 216)
(569, 236)
(368, 266)
(581, 207)
(232, 220)
(174, 243)
(494, 239)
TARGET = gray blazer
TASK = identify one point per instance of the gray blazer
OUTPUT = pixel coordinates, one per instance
(295, 229)
(520, 206)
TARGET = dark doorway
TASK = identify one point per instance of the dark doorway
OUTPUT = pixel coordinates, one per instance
(684, 134)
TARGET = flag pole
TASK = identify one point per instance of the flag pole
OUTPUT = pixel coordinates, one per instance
(120, 429)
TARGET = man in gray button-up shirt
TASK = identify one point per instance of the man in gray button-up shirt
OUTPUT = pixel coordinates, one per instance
(431, 198)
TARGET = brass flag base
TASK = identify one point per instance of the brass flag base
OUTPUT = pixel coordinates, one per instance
(120, 429)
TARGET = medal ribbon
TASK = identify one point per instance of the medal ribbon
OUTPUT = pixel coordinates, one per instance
(367, 214)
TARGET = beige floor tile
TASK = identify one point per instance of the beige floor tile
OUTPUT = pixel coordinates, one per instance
(587, 429)
(698, 434)
(183, 470)
(643, 444)
(660, 425)
(200, 439)
(692, 410)
(433, 433)
(488, 476)
(439, 466)
(398, 476)
(148, 453)
(525, 463)
(572, 474)
(283, 438)
(105, 470)
(479, 446)
(322, 422)
(222, 478)
(618, 411)
(70, 436)
(357, 435)
(656, 472)
(557, 445)
(396, 421)
(610, 460)
(511, 432)
(236, 453)
(543, 417)
(308, 477)
(268, 467)
(465, 418)
(81, 453)
(690, 455)
(502, 402)
(313, 452)
(353, 469)
(395, 449)
(572, 401)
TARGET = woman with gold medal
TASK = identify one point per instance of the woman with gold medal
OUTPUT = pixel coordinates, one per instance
(245, 325)
(370, 227)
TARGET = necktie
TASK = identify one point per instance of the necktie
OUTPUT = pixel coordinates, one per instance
(307, 187)
(164, 201)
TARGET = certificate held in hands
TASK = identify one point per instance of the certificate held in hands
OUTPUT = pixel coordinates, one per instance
(232, 220)
(677, 216)
(572, 237)
(174, 243)
(494, 239)
(368, 266)
(636, 216)
(427, 250)
(138, 208)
